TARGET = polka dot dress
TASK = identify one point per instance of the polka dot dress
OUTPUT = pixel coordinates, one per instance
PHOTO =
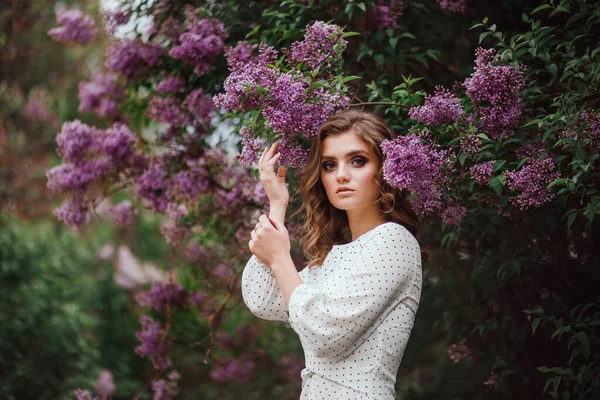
(353, 314)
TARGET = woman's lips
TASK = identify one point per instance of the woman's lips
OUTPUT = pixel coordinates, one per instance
(345, 192)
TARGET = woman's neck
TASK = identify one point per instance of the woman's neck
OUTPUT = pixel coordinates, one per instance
(362, 221)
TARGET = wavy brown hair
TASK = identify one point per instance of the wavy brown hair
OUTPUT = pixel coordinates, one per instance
(326, 225)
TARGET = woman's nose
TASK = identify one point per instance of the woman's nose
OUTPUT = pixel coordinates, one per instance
(342, 173)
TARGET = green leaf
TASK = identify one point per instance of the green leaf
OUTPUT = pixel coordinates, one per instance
(535, 324)
(348, 34)
(484, 35)
(585, 343)
(497, 183)
(540, 8)
(497, 165)
(571, 219)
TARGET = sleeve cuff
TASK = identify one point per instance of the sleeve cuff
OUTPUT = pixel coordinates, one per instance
(296, 301)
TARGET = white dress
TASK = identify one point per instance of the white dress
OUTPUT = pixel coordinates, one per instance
(353, 314)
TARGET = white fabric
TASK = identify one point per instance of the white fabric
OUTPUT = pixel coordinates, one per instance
(353, 314)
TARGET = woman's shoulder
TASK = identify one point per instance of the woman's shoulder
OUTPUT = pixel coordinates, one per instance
(391, 232)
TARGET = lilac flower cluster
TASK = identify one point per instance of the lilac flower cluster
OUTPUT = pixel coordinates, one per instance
(201, 43)
(152, 186)
(75, 27)
(237, 369)
(245, 78)
(495, 92)
(419, 167)
(123, 213)
(591, 132)
(154, 343)
(90, 154)
(131, 56)
(482, 172)
(470, 144)
(241, 189)
(105, 386)
(454, 6)
(251, 148)
(292, 108)
(171, 84)
(242, 52)
(453, 213)
(84, 395)
(162, 295)
(532, 181)
(115, 18)
(200, 106)
(102, 95)
(318, 47)
(166, 389)
(382, 16)
(458, 351)
(441, 108)
(189, 184)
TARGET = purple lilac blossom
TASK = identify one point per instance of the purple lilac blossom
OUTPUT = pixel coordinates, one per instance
(153, 343)
(482, 172)
(458, 351)
(75, 141)
(163, 294)
(454, 6)
(189, 184)
(131, 56)
(75, 27)
(290, 113)
(591, 132)
(241, 86)
(35, 109)
(470, 144)
(105, 386)
(237, 369)
(222, 272)
(73, 212)
(102, 95)
(176, 211)
(152, 187)
(171, 84)
(318, 47)
(123, 214)
(252, 147)
(84, 395)
(382, 16)
(200, 106)
(118, 142)
(495, 92)
(164, 390)
(201, 43)
(242, 52)
(439, 109)
(168, 110)
(536, 149)
(453, 214)
(413, 165)
(173, 234)
(115, 18)
(532, 180)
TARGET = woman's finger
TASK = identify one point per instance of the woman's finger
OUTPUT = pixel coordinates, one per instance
(273, 160)
(262, 156)
(264, 221)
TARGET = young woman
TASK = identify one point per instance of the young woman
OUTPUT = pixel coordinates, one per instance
(354, 305)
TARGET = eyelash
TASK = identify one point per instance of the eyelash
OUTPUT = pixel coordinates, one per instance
(362, 160)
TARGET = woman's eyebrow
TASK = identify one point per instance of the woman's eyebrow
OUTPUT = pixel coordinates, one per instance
(348, 155)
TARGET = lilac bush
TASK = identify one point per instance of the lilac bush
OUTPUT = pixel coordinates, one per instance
(74, 27)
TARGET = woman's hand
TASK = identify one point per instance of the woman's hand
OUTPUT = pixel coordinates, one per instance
(274, 184)
(270, 241)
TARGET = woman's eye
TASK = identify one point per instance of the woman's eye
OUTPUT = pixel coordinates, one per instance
(328, 166)
(359, 161)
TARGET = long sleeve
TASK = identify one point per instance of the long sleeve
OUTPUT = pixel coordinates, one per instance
(261, 292)
(385, 271)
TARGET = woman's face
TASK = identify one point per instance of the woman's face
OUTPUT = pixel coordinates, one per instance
(348, 170)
